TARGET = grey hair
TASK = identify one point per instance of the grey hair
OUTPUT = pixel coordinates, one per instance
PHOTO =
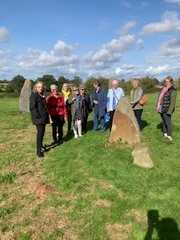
(35, 86)
(53, 86)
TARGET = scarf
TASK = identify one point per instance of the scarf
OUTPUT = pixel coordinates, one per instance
(66, 94)
(163, 91)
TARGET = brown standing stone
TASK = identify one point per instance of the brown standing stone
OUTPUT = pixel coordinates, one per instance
(125, 126)
(142, 157)
(24, 97)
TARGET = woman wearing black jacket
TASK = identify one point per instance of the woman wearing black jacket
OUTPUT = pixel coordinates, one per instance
(39, 114)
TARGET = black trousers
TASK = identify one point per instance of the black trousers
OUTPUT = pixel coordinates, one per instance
(40, 135)
(84, 123)
(167, 125)
(57, 127)
(69, 120)
(111, 114)
(138, 113)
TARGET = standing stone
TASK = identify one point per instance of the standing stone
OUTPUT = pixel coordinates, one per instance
(24, 97)
(142, 157)
(125, 127)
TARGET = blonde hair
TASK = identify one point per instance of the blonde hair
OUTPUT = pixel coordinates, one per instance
(66, 85)
(35, 86)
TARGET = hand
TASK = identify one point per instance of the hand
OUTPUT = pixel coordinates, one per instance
(108, 110)
(65, 118)
(95, 102)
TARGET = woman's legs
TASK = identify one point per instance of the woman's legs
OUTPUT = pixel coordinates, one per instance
(39, 140)
(138, 113)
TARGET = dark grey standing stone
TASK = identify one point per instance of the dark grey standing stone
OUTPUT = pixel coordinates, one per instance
(125, 127)
(24, 97)
(142, 157)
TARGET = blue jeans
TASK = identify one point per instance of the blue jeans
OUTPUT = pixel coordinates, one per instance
(96, 123)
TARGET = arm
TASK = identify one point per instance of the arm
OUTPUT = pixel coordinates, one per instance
(140, 93)
(172, 102)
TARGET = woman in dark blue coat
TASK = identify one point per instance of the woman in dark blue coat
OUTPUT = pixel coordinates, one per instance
(39, 114)
(99, 98)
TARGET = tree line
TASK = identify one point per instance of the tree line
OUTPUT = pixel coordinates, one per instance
(147, 83)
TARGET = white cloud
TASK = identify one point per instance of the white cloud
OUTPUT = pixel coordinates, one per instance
(110, 52)
(4, 34)
(168, 51)
(124, 30)
(140, 44)
(3, 67)
(170, 23)
(60, 57)
(125, 4)
(158, 70)
(173, 1)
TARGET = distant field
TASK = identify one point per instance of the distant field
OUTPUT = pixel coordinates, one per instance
(87, 189)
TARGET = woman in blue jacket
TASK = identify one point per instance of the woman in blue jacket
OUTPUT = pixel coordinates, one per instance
(99, 98)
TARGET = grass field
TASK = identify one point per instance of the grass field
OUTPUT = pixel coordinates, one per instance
(87, 189)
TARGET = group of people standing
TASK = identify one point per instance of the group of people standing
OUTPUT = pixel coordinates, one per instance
(75, 105)
(71, 105)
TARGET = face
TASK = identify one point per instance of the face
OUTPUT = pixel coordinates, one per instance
(76, 91)
(54, 90)
(65, 88)
(82, 90)
(167, 83)
(115, 84)
(135, 84)
(95, 86)
(39, 88)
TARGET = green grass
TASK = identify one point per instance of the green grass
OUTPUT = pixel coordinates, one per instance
(87, 189)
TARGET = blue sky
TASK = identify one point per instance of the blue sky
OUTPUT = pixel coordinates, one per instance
(107, 38)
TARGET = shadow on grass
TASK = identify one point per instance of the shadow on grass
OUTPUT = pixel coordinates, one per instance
(166, 228)
(144, 123)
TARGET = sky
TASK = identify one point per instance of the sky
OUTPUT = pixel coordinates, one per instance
(89, 38)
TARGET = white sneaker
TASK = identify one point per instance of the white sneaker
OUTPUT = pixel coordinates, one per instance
(76, 136)
(165, 135)
(169, 138)
(80, 135)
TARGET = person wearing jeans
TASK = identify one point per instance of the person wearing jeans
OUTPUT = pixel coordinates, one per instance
(99, 98)
(113, 96)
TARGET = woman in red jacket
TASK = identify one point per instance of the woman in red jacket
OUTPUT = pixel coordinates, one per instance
(57, 110)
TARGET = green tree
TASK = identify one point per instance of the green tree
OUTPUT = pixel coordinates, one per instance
(76, 81)
(61, 81)
(16, 84)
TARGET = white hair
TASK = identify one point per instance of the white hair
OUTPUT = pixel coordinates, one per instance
(53, 86)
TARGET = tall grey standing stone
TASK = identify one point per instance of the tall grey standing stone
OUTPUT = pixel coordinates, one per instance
(142, 157)
(24, 97)
(125, 126)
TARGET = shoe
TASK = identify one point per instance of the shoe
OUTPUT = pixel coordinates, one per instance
(75, 136)
(54, 142)
(80, 135)
(165, 135)
(169, 138)
(61, 141)
(41, 154)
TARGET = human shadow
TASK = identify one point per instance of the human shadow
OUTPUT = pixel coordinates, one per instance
(165, 228)
(144, 124)
(159, 126)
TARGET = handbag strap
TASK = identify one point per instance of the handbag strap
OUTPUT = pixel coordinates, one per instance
(115, 94)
